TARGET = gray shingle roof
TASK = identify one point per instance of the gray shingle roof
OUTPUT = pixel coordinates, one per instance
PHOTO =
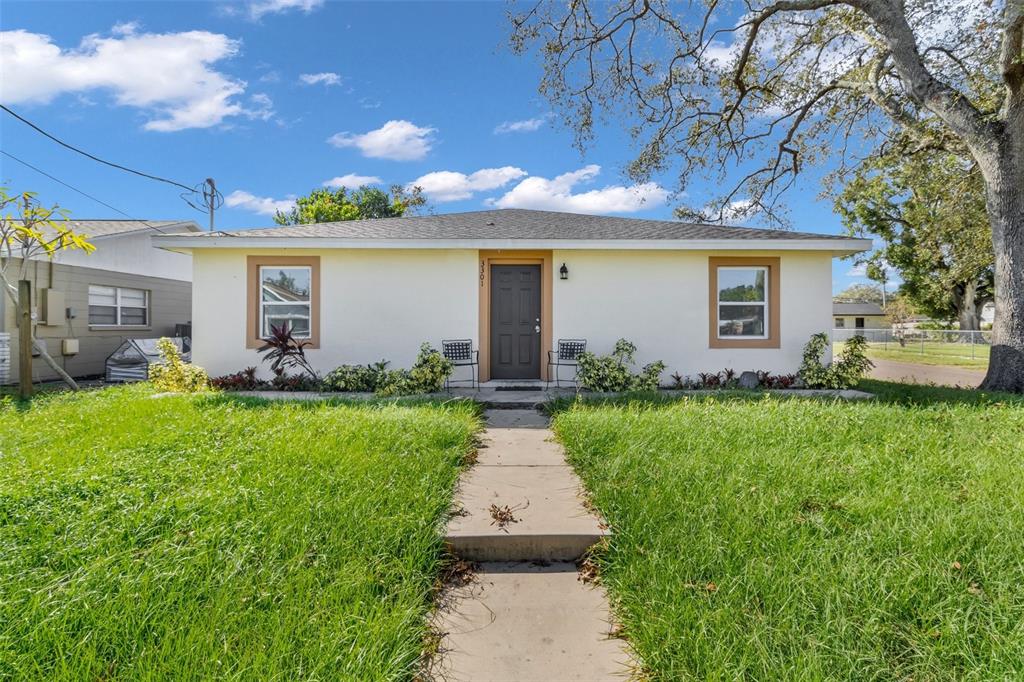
(516, 223)
(103, 228)
(856, 308)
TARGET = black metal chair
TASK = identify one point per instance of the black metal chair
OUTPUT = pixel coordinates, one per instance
(461, 354)
(567, 355)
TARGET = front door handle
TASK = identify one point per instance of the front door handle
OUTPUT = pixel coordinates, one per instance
(537, 329)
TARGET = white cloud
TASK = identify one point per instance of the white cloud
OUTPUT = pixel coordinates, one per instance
(262, 107)
(352, 181)
(395, 140)
(259, 8)
(528, 126)
(557, 194)
(452, 186)
(326, 78)
(125, 28)
(262, 205)
(167, 75)
(369, 103)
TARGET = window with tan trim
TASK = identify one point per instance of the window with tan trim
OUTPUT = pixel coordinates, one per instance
(283, 290)
(743, 302)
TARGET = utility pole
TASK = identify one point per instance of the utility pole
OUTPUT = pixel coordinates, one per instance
(25, 387)
(210, 195)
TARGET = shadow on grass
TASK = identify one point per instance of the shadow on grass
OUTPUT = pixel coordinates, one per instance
(890, 392)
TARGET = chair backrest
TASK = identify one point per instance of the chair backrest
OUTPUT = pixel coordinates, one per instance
(570, 349)
(457, 349)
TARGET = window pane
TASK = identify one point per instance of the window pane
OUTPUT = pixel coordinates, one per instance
(133, 297)
(741, 320)
(285, 285)
(102, 295)
(102, 314)
(295, 316)
(741, 284)
(133, 315)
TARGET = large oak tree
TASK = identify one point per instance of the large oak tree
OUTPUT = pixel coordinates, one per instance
(754, 91)
(926, 211)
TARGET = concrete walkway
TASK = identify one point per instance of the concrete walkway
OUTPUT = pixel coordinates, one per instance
(525, 615)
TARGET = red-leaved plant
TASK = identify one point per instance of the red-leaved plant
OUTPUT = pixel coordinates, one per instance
(283, 351)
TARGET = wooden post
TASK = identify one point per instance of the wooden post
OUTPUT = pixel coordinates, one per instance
(25, 339)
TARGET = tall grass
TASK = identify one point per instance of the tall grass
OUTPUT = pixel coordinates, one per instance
(217, 538)
(766, 538)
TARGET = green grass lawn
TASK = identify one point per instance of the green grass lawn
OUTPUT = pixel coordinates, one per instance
(220, 538)
(767, 538)
(933, 353)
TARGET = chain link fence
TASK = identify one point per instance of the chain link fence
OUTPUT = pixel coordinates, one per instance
(952, 343)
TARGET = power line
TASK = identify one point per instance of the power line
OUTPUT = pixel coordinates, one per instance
(75, 189)
(94, 158)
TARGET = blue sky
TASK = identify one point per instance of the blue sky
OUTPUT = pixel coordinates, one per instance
(276, 97)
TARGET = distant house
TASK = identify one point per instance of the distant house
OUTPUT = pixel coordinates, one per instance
(988, 314)
(513, 281)
(858, 315)
(86, 305)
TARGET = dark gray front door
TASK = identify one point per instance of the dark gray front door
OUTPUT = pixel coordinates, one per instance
(515, 322)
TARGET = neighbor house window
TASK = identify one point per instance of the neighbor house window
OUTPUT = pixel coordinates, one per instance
(744, 302)
(840, 322)
(284, 291)
(118, 306)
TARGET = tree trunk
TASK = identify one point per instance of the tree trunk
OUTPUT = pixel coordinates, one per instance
(41, 348)
(968, 312)
(52, 364)
(1005, 201)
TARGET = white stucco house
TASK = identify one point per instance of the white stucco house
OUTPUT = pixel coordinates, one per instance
(698, 297)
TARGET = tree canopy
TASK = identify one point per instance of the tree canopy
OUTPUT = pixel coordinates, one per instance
(748, 93)
(323, 205)
(28, 231)
(860, 292)
(928, 212)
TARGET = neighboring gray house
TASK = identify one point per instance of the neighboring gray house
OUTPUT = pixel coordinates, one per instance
(86, 305)
(858, 315)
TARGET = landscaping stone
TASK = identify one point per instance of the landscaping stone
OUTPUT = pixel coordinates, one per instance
(748, 380)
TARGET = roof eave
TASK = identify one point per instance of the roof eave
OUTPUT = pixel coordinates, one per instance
(838, 247)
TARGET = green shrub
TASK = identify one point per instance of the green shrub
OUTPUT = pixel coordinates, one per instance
(844, 372)
(611, 373)
(356, 378)
(430, 370)
(174, 375)
(427, 375)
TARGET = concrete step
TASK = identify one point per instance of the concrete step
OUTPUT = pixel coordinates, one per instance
(516, 419)
(550, 524)
(521, 622)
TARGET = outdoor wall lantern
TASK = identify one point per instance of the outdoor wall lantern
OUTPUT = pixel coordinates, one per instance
(563, 272)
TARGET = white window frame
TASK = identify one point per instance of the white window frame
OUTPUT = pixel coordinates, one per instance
(764, 304)
(263, 333)
(117, 307)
